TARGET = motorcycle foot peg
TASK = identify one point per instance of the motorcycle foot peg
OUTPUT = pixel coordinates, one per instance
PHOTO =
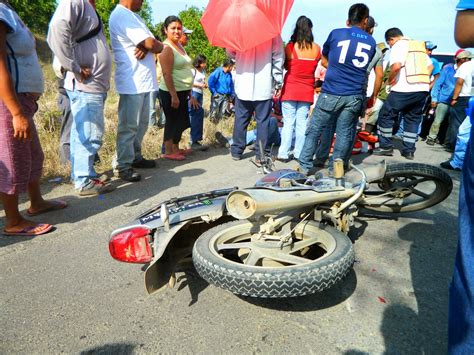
(338, 169)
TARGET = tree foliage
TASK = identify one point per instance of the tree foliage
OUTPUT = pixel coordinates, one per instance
(198, 42)
(35, 14)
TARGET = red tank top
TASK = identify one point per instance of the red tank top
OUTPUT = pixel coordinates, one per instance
(298, 84)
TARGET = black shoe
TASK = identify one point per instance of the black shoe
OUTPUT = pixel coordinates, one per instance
(430, 141)
(447, 165)
(222, 140)
(199, 147)
(144, 164)
(383, 151)
(236, 157)
(408, 155)
(129, 175)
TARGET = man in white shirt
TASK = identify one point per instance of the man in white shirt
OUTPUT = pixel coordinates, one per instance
(407, 96)
(461, 95)
(259, 71)
(133, 46)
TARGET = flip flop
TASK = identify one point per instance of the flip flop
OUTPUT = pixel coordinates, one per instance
(175, 156)
(55, 205)
(185, 151)
(31, 231)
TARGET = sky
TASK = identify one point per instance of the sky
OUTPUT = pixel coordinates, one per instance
(431, 20)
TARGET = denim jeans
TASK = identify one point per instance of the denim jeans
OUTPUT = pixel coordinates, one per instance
(294, 121)
(441, 112)
(457, 161)
(133, 117)
(196, 117)
(457, 114)
(342, 111)
(153, 120)
(86, 134)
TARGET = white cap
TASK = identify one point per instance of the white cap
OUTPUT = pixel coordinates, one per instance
(188, 32)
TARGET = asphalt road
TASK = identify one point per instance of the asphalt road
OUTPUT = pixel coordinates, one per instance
(62, 292)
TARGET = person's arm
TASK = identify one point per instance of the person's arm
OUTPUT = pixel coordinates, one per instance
(394, 71)
(435, 91)
(167, 61)
(212, 82)
(21, 126)
(278, 57)
(60, 38)
(378, 81)
(324, 61)
(287, 55)
(151, 44)
(457, 91)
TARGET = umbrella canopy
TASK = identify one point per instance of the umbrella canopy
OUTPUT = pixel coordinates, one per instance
(244, 24)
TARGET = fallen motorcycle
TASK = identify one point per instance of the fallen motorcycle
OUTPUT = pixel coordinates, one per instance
(284, 237)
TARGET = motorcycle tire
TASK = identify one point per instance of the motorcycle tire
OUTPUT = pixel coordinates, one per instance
(231, 273)
(405, 180)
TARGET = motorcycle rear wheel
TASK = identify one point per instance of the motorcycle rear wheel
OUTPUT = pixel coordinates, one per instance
(407, 187)
(229, 257)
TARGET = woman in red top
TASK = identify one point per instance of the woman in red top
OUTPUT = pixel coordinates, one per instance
(302, 57)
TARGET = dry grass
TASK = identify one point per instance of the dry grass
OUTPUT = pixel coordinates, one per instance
(48, 125)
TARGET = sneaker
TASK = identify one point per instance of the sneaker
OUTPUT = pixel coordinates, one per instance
(95, 187)
(129, 175)
(222, 140)
(199, 147)
(144, 164)
(430, 141)
(104, 178)
(383, 151)
(408, 155)
(236, 157)
(447, 165)
(284, 160)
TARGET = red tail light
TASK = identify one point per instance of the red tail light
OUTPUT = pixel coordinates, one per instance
(131, 246)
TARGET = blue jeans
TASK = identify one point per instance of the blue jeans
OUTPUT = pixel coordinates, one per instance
(86, 134)
(196, 117)
(294, 121)
(461, 290)
(341, 111)
(133, 117)
(153, 120)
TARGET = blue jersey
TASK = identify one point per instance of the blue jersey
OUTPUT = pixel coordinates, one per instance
(349, 52)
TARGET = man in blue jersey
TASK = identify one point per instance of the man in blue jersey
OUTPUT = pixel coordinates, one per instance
(346, 53)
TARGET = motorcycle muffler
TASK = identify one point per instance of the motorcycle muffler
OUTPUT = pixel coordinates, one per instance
(250, 203)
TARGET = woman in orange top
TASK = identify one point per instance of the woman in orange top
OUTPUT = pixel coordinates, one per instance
(302, 57)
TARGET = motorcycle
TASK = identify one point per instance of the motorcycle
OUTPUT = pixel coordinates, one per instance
(284, 237)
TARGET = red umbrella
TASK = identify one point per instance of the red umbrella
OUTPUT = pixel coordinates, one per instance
(244, 24)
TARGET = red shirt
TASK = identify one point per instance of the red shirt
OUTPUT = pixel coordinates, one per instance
(298, 84)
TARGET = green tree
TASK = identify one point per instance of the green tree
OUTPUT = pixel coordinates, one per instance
(198, 42)
(105, 7)
(35, 14)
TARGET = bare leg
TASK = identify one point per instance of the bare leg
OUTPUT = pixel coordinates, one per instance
(37, 202)
(169, 147)
(14, 220)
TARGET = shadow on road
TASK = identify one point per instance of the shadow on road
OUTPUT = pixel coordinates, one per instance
(111, 349)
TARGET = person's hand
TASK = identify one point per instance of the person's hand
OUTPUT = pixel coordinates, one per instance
(434, 104)
(140, 52)
(174, 101)
(194, 103)
(277, 92)
(85, 74)
(21, 127)
(453, 102)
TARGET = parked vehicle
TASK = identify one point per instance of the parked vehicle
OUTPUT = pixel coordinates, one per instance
(284, 237)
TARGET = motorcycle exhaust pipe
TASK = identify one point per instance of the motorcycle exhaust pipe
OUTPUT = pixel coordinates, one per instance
(249, 203)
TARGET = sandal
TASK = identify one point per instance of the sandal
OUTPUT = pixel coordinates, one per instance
(55, 205)
(31, 231)
(185, 151)
(174, 156)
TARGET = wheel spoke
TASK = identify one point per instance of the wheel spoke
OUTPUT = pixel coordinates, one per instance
(303, 244)
(230, 246)
(421, 194)
(287, 258)
(411, 182)
(253, 258)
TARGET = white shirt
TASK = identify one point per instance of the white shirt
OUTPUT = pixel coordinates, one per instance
(127, 30)
(398, 54)
(465, 72)
(199, 79)
(258, 69)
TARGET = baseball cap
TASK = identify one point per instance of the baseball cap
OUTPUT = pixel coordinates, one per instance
(371, 22)
(382, 47)
(187, 31)
(463, 54)
(430, 45)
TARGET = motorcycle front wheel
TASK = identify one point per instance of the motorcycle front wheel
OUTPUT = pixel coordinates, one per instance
(406, 188)
(232, 257)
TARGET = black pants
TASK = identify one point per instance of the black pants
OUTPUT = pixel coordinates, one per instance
(457, 114)
(177, 119)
